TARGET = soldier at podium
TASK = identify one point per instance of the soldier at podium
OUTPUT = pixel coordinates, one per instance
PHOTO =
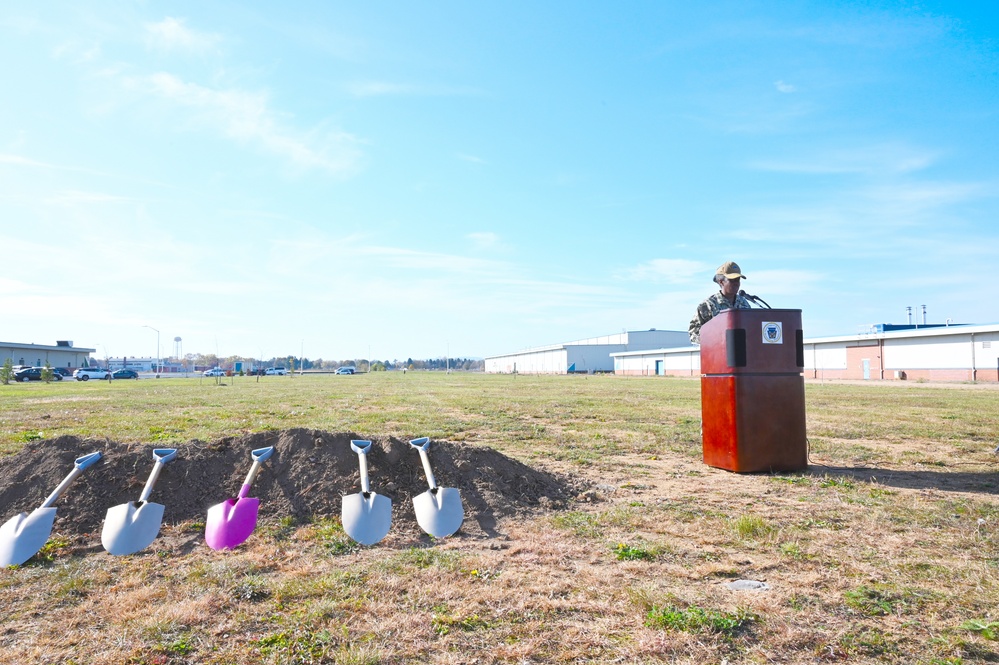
(729, 278)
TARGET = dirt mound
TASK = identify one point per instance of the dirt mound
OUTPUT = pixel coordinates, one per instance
(307, 476)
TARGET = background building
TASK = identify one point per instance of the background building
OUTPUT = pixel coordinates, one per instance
(937, 353)
(63, 354)
(582, 356)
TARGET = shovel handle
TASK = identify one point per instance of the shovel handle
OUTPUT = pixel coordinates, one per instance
(259, 455)
(362, 448)
(162, 456)
(423, 445)
(79, 465)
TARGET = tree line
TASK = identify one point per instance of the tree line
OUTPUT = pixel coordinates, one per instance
(208, 360)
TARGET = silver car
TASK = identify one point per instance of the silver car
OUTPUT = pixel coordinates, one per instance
(87, 373)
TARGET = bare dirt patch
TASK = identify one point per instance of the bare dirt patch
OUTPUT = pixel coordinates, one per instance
(307, 476)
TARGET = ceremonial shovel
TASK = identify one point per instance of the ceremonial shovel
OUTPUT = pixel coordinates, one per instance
(23, 535)
(438, 510)
(133, 526)
(231, 522)
(366, 516)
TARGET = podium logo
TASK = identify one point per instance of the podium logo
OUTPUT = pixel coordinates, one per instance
(773, 333)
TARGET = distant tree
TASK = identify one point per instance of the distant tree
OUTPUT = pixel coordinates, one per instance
(378, 366)
(47, 372)
(7, 371)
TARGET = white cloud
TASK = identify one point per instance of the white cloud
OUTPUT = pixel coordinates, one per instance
(171, 34)
(384, 88)
(379, 88)
(470, 158)
(483, 240)
(247, 117)
(784, 87)
(674, 271)
(874, 159)
(22, 161)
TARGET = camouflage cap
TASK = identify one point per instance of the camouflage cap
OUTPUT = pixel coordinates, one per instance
(730, 270)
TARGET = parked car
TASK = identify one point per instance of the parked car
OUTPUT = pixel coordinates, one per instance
(34, 374)
(275, 371)
(214, 371)
(87, 373)
(344, 370)
(63, 372)
(124, 374)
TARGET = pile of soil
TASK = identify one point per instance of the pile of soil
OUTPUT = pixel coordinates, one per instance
(306, 477)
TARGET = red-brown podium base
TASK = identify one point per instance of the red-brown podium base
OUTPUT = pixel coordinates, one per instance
(754, 423)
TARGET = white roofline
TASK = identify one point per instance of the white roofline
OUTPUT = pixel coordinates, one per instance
(891, 334)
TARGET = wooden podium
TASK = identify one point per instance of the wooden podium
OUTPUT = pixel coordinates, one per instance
(753, 391)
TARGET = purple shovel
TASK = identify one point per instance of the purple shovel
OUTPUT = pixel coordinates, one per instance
(231, 522)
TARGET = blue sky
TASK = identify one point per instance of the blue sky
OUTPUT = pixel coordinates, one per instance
(415, 179)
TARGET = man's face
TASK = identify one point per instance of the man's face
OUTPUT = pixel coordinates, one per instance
(730, 287)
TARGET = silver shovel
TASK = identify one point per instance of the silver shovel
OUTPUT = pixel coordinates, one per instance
(133, 526)
(367, 516)
(23, 535)
(439, 511)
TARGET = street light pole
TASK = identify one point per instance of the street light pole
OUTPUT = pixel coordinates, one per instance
(157, 349)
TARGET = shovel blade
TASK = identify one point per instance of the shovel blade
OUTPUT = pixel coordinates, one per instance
(231, 522)
(366, 519)
(439, 513)
(130, 528)
(23, 535)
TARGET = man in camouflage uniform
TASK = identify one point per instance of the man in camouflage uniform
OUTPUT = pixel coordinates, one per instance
(729, 277)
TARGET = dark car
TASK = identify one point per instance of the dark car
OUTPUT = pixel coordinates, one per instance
(63, 372)
(124, 374)
(34, 374)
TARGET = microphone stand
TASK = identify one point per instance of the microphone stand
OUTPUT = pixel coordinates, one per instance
(755, 299)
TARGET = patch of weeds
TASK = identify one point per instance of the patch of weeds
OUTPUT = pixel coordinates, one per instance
(792, 480)
(253, 588)
(753, 527)
(870, 642)
(193, 526)
(299, 646)
(72, 586)
(838, 483)
(580, 523)
(881, 600)
(484, 574)
(52, 548)
(329, 532)
(625, 552)
(794, 551)
(281, 530)
(796, 602)
(428, 557)
(987, 629)
(32, 436)
(698, 620)
(178, 647)
(881, 492)
(443, 624)
(834, 524)
(339, 587)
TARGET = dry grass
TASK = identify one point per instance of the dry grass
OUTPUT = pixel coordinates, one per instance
(879, 553)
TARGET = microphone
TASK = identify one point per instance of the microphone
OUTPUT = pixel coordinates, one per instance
(756, 299)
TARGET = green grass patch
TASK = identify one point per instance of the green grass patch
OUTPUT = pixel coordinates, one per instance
(699, 620)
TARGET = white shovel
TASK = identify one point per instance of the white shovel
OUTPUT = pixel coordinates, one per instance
(23, 535)
(133, 526)
(439, 511)
(367, 516)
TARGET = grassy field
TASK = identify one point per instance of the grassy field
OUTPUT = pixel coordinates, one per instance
(885, 551)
